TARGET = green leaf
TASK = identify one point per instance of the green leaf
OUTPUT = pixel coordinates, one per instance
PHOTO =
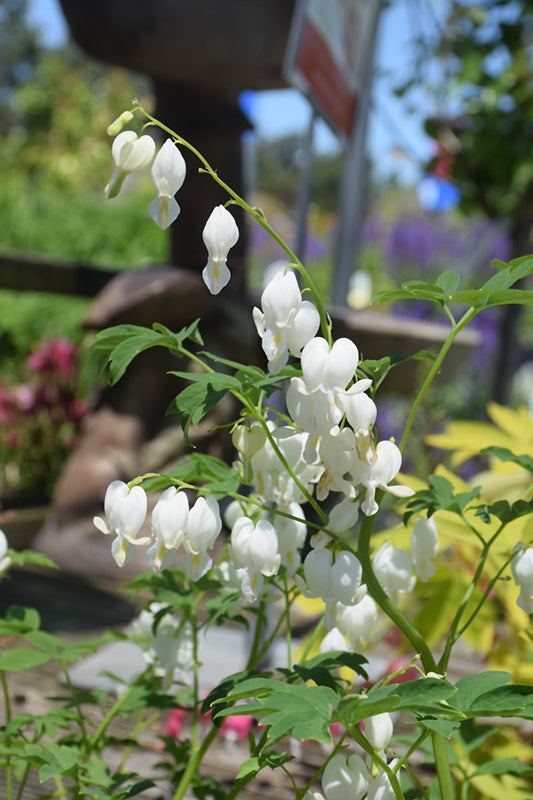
(319, 669)
(445, 727)
(22, 658)
(439, 496)
(470, 735)
(195, 401)
(471, 687)
(504, 454)
(504, 511)
(358, 706)
(448, 281)
(286, 709)
(379, 369)
(123, 343)
(19, 620)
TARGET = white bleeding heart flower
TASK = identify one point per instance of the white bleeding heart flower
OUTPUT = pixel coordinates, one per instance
(220, 234)
(125, 510)
(286, 322)
(522, 569)
(203, 526)
(394, 570)
(168, 173)
(345, 778)
(424, 547)
(130, 154)
(169, 522)
(254, 549)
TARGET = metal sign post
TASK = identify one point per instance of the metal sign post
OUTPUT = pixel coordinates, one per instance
(330, 57)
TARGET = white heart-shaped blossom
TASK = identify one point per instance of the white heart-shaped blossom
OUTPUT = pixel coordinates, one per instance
(168, 173)
(336, 581)
(361, 412)
(329, 369)
(220, 234)
(291, 535)
(380, 787)
(358, 623)
(286, 322)
(379, 730)
(130, 153)
(333, 640)
(424, 547)
(125, 510)
(522, 569)
(343, 516)
(203, 526)
(345, 778)
(169, 521)
(393, 568)
(378, 476)
(254, 548)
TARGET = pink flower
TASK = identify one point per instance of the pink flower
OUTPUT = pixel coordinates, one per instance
(237, 727)
(57, 356)
(174, 723)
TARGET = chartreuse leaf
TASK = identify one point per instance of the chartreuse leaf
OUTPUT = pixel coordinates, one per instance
(504, 766)
(250, 768)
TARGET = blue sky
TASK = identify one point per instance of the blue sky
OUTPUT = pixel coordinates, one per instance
(391, 128)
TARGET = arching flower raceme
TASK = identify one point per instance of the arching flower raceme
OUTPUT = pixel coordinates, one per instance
(168, 174)
(169, 522)
(203, 526)
(286, 322)
(424, 547)
(125, 510)
(394, 570)
(254, 548)
(522, 569)
(220, 234)
(130, 153)
(345, 778)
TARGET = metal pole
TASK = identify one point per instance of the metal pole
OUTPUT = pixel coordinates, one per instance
(304, 189)
(353, 177)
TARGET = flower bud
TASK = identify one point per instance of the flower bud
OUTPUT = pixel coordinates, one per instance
(117, 125)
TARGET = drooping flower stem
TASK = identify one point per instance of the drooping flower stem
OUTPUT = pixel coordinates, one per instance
(456, 329)
(377, 592)
(255, 213)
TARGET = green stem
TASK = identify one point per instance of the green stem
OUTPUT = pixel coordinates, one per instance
(109, 717)
(453, 636)
(193, 762)
(456, 329)
(442, 764)
(255, 655)
(7, 705)
(367, 747)
(74, 695)
(256, 214)
(377, 592)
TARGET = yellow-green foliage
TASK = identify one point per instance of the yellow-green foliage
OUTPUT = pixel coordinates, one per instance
(501, 631)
